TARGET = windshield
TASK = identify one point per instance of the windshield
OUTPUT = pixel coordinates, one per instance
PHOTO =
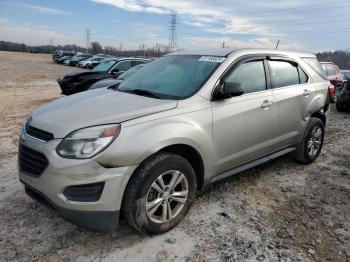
(173, 77)
(103, 67)
(130, 72)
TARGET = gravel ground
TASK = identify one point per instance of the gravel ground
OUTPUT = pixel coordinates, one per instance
(280, 211)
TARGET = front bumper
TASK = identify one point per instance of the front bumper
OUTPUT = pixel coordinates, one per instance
(48, 188)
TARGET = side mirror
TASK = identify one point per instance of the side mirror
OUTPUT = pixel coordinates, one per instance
(228, 89)
(115, 71)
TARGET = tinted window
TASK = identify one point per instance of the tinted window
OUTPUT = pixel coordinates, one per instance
(283, 74)
(251, 75)
(123, 66)
(303, 77)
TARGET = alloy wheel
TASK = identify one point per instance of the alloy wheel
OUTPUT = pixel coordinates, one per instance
(315, 142)
(167, 196)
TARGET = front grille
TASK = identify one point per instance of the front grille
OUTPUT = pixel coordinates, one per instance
(38, 133)
(31, 161)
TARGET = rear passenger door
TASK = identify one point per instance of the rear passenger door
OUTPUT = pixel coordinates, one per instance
(292, 93)
(243, 125)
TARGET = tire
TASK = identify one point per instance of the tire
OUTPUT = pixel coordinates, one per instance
(143, 188)
(304, 152)
(339, 107)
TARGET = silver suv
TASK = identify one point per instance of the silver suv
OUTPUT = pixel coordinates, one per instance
(146, 147)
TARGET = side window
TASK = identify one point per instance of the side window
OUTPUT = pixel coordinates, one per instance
(302, 76)
(123, 66)
(330, 70)
(283, 74)
(251, 75)
(138, 62)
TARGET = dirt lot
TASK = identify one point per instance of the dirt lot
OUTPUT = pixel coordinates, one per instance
(281, 211)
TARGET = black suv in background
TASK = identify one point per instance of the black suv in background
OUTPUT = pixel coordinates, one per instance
(80, 81)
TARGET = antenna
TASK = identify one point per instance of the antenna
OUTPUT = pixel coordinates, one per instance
(172, 31)
(88, 41)
(278, 43)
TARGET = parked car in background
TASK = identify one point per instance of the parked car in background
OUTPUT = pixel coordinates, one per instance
(108, 82)
(81, 81)
(343, 98)
(98, 61)
(346, 74)
(184, 121)
(60, 53)
(88, 62)
(67, 61)
(333, 73)
(61, 60)
(334, 76)
(76, 59)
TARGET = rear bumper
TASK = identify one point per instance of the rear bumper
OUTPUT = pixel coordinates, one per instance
(101, 221)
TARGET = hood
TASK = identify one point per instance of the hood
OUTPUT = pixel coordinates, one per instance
(82, 74)
(95, 107)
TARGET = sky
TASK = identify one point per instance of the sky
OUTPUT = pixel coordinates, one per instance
(312, 25)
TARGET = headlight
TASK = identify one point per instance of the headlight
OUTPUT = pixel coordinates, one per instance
(87, 142)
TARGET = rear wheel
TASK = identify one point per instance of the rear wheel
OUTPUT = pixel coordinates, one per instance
(160, 193)
(310, 146)
(340, 107)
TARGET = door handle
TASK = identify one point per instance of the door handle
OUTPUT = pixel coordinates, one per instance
(266, 104)
(306, 92)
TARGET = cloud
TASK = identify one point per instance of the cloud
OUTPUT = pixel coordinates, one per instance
(32, 34)
(43, 9)
(206, 15)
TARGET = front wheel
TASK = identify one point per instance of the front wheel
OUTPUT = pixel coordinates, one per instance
(160, 193)
(310, 146)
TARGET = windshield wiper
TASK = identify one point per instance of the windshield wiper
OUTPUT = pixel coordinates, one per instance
(143, 92)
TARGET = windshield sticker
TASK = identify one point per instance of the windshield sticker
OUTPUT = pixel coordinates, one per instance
(214, 59)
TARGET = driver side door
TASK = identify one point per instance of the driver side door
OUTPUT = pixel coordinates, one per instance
(243, 125)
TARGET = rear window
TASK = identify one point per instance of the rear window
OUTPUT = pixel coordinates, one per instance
(315, 64)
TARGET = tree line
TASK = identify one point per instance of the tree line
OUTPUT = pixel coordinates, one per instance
(96, 48)
(340, 57)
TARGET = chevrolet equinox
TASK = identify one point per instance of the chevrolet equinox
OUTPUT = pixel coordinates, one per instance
(145, 147)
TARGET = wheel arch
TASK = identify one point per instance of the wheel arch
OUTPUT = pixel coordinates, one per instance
(192, 156)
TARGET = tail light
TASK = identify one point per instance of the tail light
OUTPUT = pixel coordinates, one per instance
(331, 90)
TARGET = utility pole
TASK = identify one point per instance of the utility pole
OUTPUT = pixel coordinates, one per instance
(172, 31)
(88, 40)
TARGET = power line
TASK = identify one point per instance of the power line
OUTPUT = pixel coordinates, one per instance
(294, 9)
(172, 31)
(307, 22)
